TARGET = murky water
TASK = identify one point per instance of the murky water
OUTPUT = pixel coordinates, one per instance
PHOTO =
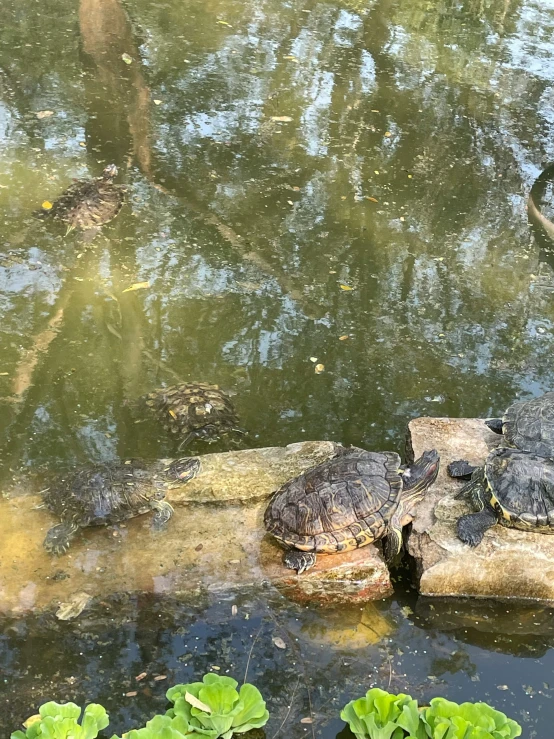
(339, 183)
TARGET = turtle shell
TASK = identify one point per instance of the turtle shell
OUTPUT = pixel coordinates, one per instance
(104, 494)
(529, 425)
(344, 503)
(196, 407)
(521, 488)
(88, 204)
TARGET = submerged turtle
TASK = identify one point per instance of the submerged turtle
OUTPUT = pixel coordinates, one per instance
(513, 488)
(194, 409)
(528, 425)
(111, 493)
(347, 502)
(89, 204)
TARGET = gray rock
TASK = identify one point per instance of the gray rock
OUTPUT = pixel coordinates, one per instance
(215, 541)
(507, 564)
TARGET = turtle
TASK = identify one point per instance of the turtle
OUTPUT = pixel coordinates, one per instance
(528, 425)
(192, 409)
(349, 501)
(106, 494)
(513, 488)
(88, 204)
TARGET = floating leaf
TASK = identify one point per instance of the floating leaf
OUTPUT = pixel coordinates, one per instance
(279, 643)
(373, 200)
(319, 368)
(281, 118)
(376, 171)
(44, 114)
(306, 720)
(346, 287)
(388, 133)
(158, 102)
(196, 703)
(313, 359)
(127, 59)
(137, 286)
(224, 23)
(46, 205)
(343, 337)
(32, 720)
(140, 677)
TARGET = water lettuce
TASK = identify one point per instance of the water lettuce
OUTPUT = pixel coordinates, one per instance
(381, 715)
(61, 721)
(216, 707)
(165, 727)
(444, 719)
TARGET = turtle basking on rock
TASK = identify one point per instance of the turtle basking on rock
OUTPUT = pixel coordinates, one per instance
(88, 204)
(513, 488)
(528, 425)
(192, 409)
(110, 493)
(347, 502)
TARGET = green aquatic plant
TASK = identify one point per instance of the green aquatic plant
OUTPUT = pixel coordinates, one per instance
(61, 721)
(165, 727)
(382, 715)
(215, 707)
(444, 719)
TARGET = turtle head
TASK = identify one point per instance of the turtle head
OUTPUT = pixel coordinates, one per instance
(182, 470)
(422, 473)
(109, 172)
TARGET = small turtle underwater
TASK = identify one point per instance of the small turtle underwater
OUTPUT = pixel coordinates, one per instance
(528, 425)
(88, 204)
(351, 500)
(194, 409)
(107, 494)
(513, 488)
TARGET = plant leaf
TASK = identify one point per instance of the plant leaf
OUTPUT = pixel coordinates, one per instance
(197, 703)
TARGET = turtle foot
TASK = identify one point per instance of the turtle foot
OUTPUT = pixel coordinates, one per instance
(472, 527)
(460, 468)
(58, 538)
(299, 561)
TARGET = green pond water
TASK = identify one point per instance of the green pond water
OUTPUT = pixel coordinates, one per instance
(308, 183)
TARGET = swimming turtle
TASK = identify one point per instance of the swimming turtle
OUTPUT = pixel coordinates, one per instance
(193, 409)
(347, 502)
(110, 493)
(528, 425)
(88, 204)
(513, 488)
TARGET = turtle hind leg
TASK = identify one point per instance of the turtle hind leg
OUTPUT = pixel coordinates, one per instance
(472, 527)
(461, 468)
(495, 424)
(392, 543)
(59, 537)
(299, 561)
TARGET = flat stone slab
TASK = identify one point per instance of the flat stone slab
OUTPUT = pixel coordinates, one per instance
(215, 541)
(507, 564)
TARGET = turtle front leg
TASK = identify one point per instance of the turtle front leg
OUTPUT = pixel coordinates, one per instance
(164, 511)
(59, 537)
(392, 544)
(471, 527)
(299, 561)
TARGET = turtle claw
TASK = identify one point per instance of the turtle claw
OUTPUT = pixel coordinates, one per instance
(58, 538)
(461, 468)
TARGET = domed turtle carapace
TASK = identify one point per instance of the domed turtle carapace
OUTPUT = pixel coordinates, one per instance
(110, 493)
(347, 502)
(513, 488)
(88, 204)
(193, 409)
(528, 425)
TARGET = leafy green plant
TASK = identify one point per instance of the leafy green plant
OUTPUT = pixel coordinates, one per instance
(61, 721)
(165, 727)
(381, 715)
(215, 708)
(444, 719)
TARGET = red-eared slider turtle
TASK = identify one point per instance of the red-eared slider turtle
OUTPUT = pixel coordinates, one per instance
(513, 488)
(193, 409)
(347, 502)
(89, 204)
(528, 425)
(111, 493)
